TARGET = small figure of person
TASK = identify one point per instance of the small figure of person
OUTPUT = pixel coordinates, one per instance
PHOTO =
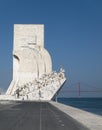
(17, 93)
(27, 96)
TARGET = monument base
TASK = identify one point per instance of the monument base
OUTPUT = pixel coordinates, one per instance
(43, 88)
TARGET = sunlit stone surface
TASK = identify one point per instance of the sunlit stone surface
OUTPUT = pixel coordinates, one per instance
(33, 78)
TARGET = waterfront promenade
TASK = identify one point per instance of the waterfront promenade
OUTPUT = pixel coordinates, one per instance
(92, 121)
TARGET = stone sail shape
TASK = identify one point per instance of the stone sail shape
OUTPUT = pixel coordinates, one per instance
(33, 77)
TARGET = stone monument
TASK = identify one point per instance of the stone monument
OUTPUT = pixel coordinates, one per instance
(33, 78)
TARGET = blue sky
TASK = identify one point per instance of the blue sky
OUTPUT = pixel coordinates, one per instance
(73, 36)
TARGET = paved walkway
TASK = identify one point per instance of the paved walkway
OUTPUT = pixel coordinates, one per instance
(92, 121)
(35, 116)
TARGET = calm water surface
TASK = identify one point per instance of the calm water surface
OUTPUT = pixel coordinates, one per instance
(93, 105)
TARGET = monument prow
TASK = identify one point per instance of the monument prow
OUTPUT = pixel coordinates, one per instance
(33, 77)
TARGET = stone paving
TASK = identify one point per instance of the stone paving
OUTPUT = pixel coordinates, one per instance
(92, 121)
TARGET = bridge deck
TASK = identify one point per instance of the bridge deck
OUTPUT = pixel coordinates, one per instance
(35, 116)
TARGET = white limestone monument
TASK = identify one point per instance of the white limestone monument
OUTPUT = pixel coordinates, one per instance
(33, 78)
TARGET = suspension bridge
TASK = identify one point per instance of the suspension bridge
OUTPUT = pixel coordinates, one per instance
(80, 89)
